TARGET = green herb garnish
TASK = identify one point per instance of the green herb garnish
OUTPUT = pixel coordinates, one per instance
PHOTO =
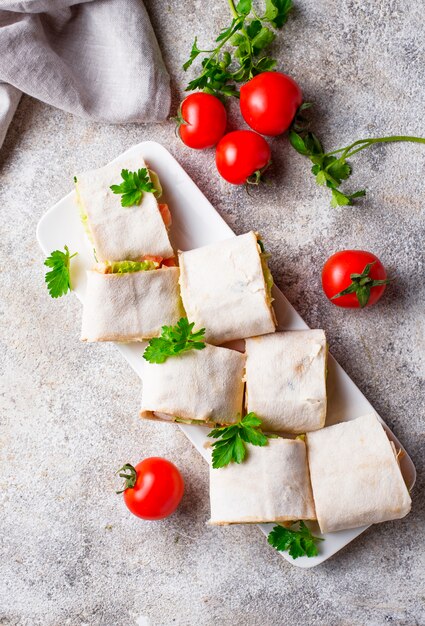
(247, 37)
(230, 446)
(297, 542)
(58, 279)
(332, 168)
(133, 187)
(361, 285)
(174, 340)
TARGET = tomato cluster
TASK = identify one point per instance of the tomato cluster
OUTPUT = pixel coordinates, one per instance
(268, 103)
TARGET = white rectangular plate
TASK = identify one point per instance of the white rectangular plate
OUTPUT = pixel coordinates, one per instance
(196, 223)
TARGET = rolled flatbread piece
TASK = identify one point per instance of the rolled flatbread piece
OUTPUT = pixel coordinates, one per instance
(271, 485)
(120, 233)
(195, 387)
(355, 475)
(286, 380)
(224, 289)
(131, 306)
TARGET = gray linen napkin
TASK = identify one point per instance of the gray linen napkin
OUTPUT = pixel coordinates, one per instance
(98, 59)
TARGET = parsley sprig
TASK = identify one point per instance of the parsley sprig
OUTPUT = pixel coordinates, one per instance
(174, 340)
(332, 168)
(230, 445)
(58, 279)
(246, 38)
(298, 542)
(361, 285)
(133, 186)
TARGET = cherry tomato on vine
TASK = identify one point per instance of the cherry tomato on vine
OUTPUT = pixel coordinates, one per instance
(354, 279)
(153, 489)
(269, 102)
(202, 120)
(242, 156)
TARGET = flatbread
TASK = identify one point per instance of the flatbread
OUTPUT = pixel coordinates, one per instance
(121, 233)
(203, 385)
(355, 475)
(224, 291)
(271, 485)
(286, 380)
(132, 306)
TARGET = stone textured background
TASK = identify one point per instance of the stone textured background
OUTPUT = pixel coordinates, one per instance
(70, 552)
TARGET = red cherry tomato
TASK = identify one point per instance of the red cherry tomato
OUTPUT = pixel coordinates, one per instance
(345, 268)
(157, 488)
(240, 155)
(269, 102)
(202, 120)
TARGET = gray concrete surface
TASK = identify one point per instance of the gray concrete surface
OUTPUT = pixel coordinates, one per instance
(70, 552)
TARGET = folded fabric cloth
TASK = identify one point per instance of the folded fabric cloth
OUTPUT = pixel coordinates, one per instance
(98, 59)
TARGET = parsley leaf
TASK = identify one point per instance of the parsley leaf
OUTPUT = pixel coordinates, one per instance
(332, 168)
(174, 340)
(193, 54)
(277, 12)
(244, 7)
(135, 183)
(58, 279)
(297, 542)
(247, 36)
(230, 445)
(339, 199)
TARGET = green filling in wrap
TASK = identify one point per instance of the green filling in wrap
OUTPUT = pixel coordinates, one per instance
(124, 267)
